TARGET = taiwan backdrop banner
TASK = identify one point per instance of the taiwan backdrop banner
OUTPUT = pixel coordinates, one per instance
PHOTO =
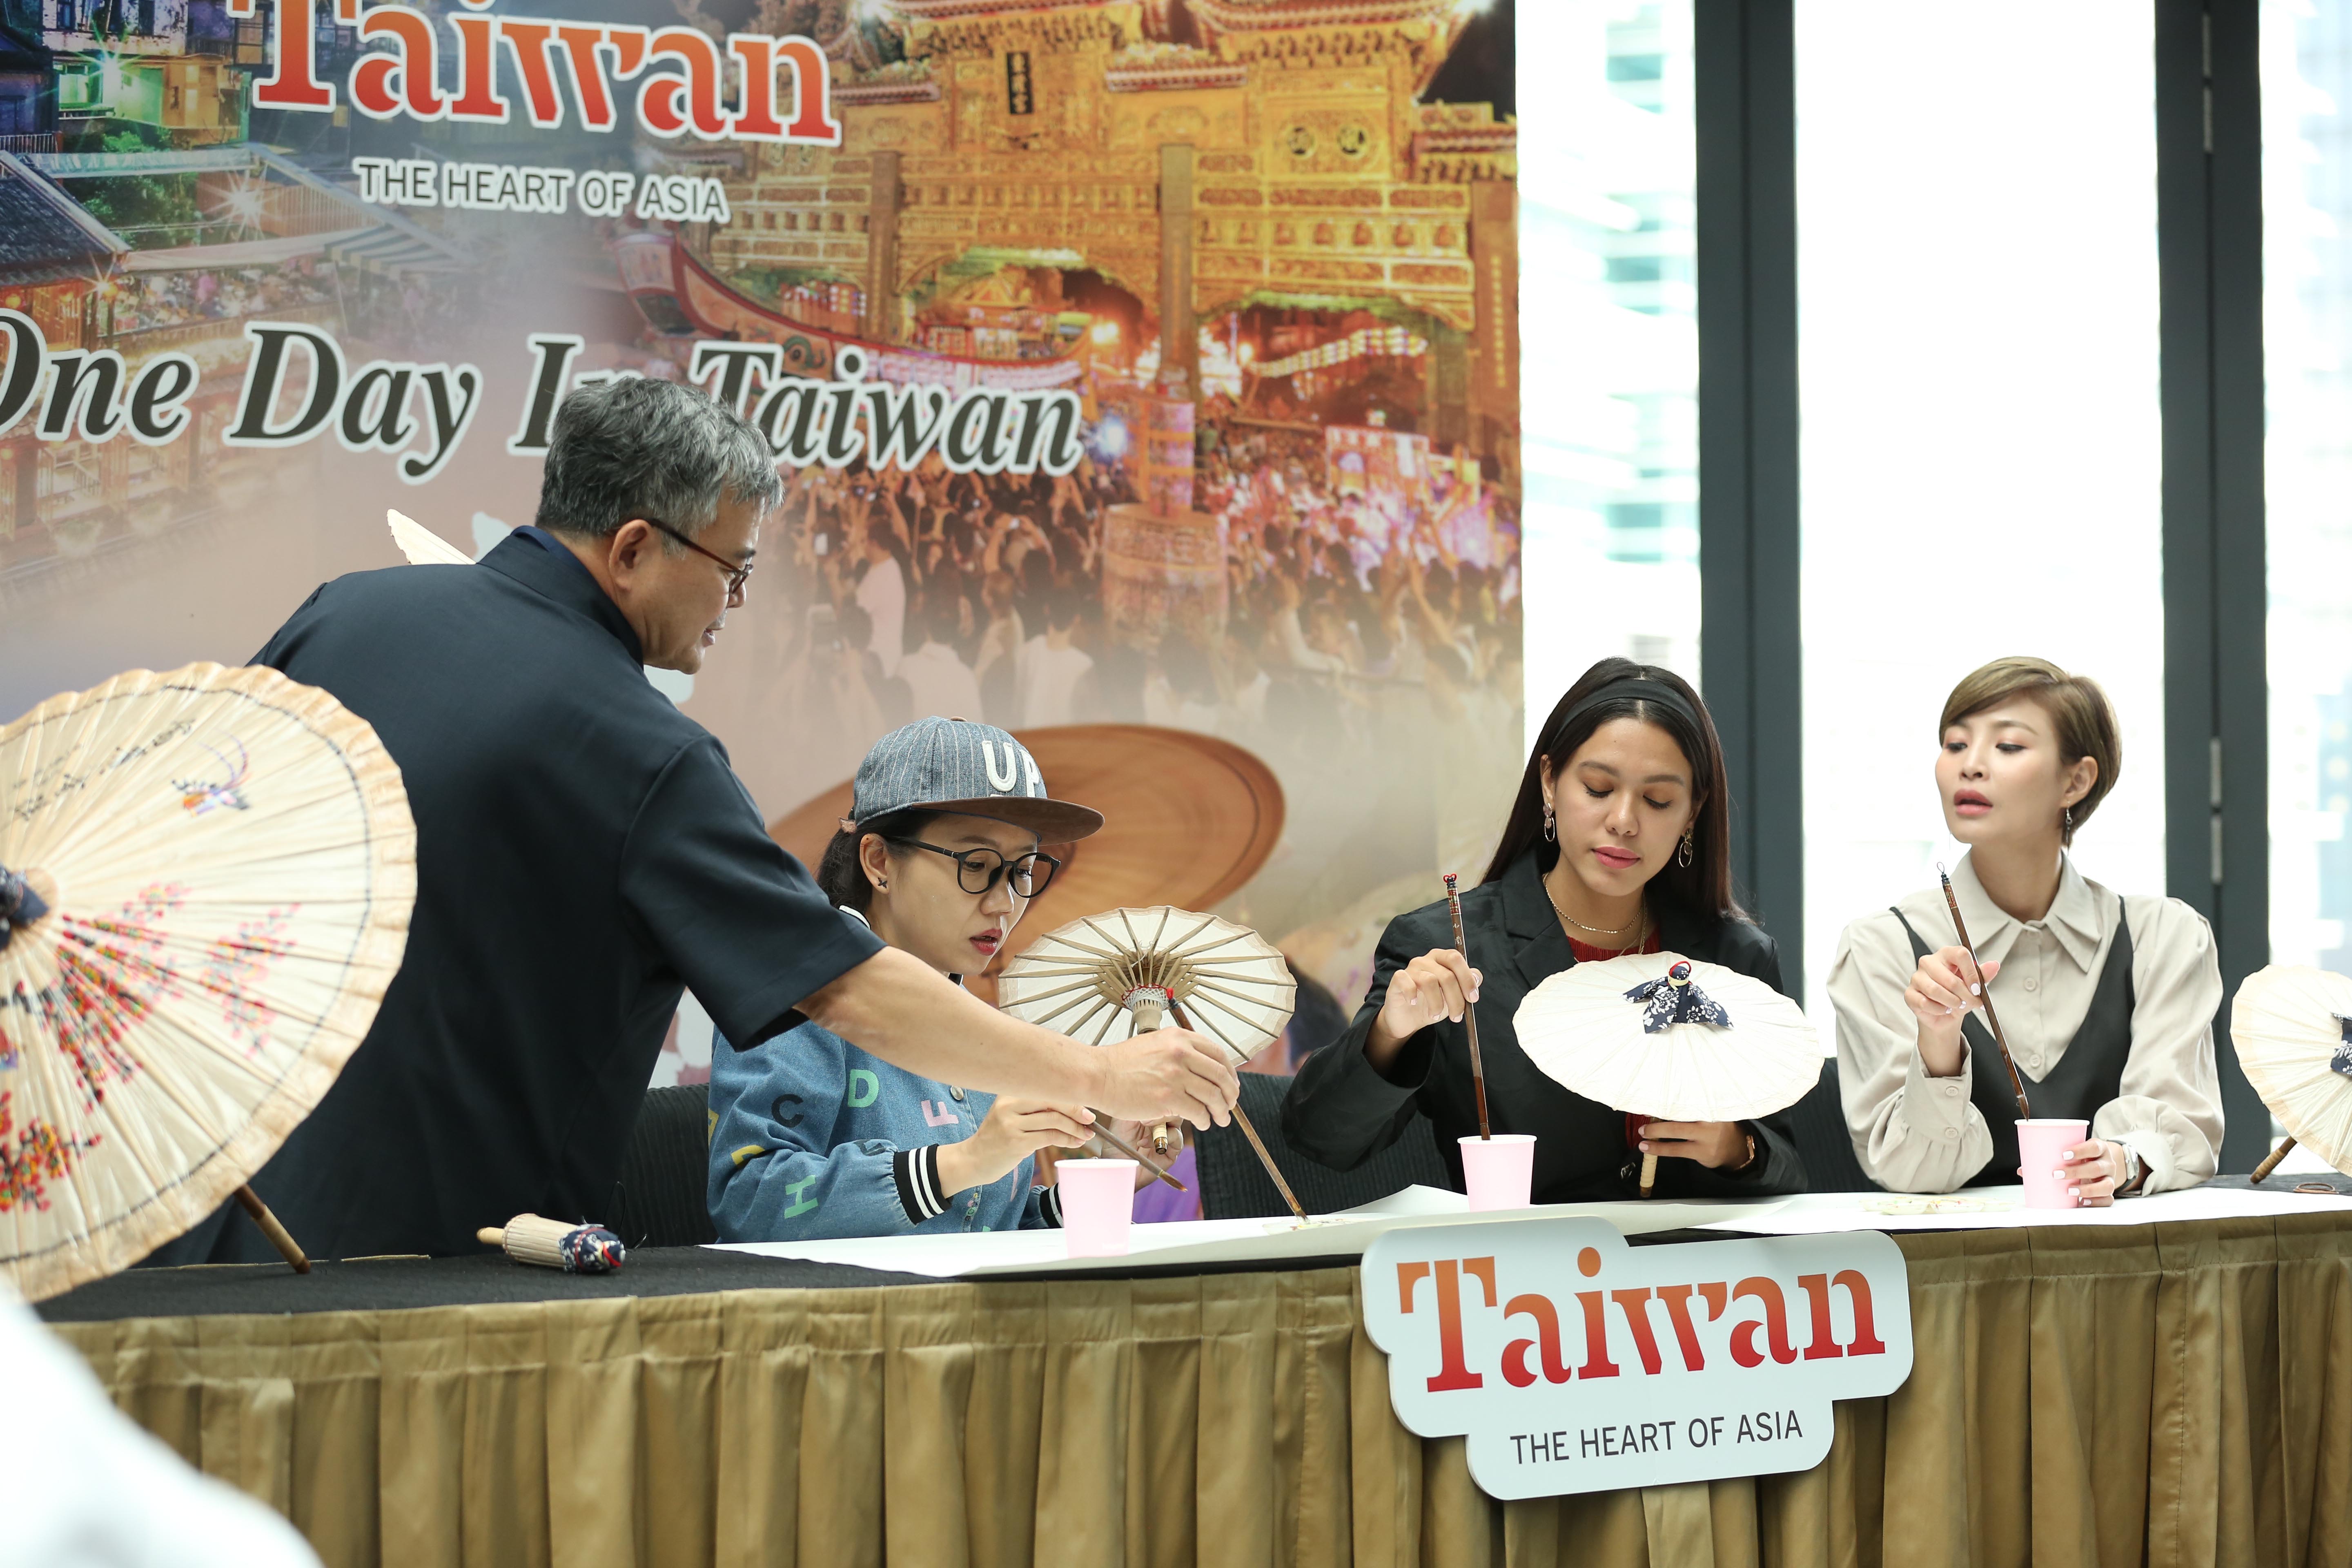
(1149, 363)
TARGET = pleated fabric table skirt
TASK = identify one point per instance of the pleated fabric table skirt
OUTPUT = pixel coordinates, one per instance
(2168, 1394)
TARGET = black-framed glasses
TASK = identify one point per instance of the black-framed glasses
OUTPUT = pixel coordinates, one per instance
(977, 870)
(737, 574)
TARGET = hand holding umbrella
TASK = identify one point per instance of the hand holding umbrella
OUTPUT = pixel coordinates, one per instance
(1660, 1034)
(1112, 976)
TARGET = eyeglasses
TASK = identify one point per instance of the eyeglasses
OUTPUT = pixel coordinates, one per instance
(977, 870)
(736, 574)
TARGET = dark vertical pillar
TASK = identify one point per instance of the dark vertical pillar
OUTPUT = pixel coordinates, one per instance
(2216, 678)
(1752, 658)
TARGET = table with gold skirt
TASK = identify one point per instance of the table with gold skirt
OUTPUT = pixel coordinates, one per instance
(2166, 1394)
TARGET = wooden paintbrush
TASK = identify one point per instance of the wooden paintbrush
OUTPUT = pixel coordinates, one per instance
(1103, 1131)
(1469, 1012)
(2016, 1084)
(1241, 1119)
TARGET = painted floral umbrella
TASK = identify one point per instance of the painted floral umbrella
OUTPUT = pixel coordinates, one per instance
(206, 878)
(2292, 1027)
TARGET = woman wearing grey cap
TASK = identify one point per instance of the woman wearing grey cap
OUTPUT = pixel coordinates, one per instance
(814, 1137)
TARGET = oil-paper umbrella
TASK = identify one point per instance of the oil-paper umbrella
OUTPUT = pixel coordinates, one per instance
(1107, 977)
(421, 544)
(206, 878)
(2292, 1025)
(1658, 1034)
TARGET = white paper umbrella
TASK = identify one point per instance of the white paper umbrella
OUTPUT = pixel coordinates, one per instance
(422, 545)
(1585, 1031)
(1104, 978)
(2294, 1040)
(220, 865)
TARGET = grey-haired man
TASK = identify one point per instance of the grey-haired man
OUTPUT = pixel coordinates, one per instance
(584, 851)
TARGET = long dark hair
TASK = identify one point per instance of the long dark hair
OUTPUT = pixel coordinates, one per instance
(1703, 887)
(841, 878)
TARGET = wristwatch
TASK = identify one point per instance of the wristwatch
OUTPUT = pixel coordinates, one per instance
(2135, 1173)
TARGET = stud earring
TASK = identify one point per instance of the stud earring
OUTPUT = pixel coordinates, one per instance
(1683, 856)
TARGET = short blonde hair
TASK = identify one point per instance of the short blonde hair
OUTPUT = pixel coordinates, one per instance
(2085, 720)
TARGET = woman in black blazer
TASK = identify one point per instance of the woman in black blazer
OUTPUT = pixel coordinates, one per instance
(1619, 842)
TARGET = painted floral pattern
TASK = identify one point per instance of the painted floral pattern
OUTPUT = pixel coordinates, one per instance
(31, 1157)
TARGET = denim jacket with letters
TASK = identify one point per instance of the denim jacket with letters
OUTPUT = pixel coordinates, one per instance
(813, 1137)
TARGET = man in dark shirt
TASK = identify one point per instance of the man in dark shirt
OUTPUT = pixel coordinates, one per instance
(584, 851)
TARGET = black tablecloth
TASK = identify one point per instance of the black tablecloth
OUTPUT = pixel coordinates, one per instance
(394, 1283)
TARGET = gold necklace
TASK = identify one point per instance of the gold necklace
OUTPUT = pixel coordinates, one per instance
(1641, 917)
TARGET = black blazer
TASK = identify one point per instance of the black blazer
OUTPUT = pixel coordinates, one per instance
(1341, 1112)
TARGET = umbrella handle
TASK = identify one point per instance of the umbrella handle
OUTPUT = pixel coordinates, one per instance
(2267, 1166)
(250, 1202)
(1149, 1015)
(1649, 1174)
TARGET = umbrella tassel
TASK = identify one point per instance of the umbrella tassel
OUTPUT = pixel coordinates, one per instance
(2264, 1169)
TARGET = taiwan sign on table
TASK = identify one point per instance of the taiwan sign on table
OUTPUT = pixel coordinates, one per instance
(1574, 1363)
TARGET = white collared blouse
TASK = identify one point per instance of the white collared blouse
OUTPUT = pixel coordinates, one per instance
(1914, 1133)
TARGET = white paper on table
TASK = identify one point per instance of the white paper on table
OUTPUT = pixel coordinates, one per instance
(1817, 1214)
(1197, 1243)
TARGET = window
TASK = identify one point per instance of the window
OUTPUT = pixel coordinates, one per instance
(1609, 329)
(2306, 65)
(1981, 451)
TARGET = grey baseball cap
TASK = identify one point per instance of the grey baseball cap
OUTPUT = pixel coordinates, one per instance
(954, 765)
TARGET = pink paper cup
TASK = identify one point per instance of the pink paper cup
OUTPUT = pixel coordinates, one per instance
(2041, 1145)
(1498, 1170)
(1098, 1205)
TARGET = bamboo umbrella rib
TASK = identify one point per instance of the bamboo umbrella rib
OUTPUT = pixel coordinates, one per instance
(1225, 988)
(1199, 997)
(1205, 1021)
(1226, 941)
(1077, 1000)
(1178, 945)
(1030, 1000)
(1103, 952)
(1103, 1033)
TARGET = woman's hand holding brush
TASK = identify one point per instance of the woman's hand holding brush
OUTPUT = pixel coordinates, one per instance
(1943, 990)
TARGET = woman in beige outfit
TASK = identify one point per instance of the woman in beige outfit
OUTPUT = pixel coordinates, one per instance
(2107, 1001)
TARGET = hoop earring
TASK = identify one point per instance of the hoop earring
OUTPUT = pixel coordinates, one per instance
(1551, 833)
(1683, 856)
